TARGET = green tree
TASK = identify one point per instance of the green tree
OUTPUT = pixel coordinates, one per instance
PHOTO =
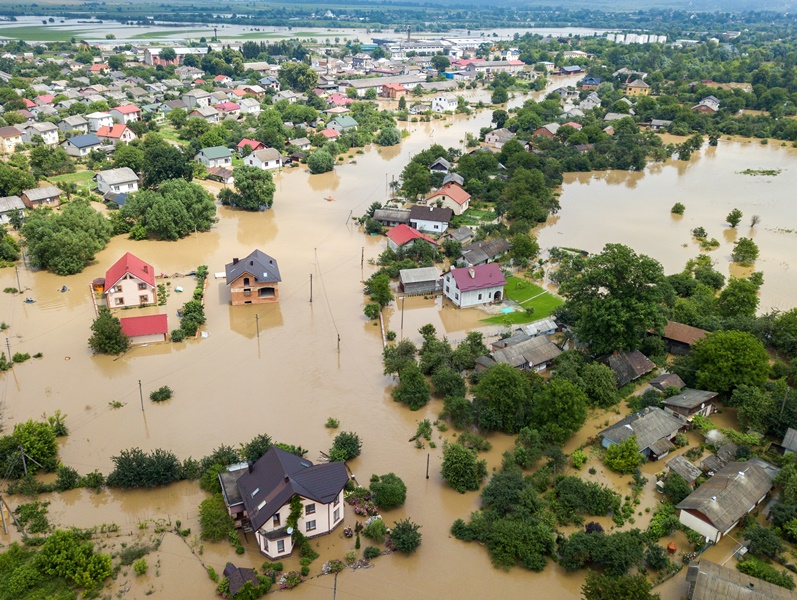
(215, 522)
(745, 251)
(559, 410)
(164, 162)
(402, 103)
(320, 161)
(500, 117)
(107, 336)
(388, 491)
(13, 181)
(738, 299)
(345, 446)
(627, 587)
(524, 247)
(413, 389)
(616, 299)
(38, 441)
(502, 399)
(129, 156)
(500, 96)
(415, 180)
(676, 488)
(69, 555)
(734, 217)
(254, 189)
(763, 541)
(440, 63)
(177, 117)
(724, 360)
(462, 469)
(388, 136)
(599, 384)
(624, 457)
(405, 536)
(448, 382)
(299, 77)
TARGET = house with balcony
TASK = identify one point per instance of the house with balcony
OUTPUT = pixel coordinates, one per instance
(130, 282)
(259, 495)
(253, 280)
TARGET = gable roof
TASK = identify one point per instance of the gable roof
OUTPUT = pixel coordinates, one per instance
(258, 264)
(84, 141)
(418, 275)
(216, 152)
(127, 109)
(649, 425)
(120, 175)
(9, 132)
(144, 325)
(9, 203)
(238, 576)
(478, 277)
(431, 213)
(684, 468)
(533, 351)
(278, 475)
(637, 83)
(254, 144)
(729, 494)
(402, 234)
(710, 581)
(344, 121)
(689, 398)
(628, 366)
(685, 334)
(129, 263)
(112, 132)
(267, 154)
(667, 380)
(41, 193)
(790, 439)
(452, 190)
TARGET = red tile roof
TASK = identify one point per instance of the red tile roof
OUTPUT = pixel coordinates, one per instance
(127, 109)
(220, 78)
(114, 132)
(253, 144)
(478, 277)
(28, 103)
(45, 98)
(144, 325)
(329, 133)
(129, 264)
(239, 92)
(454, 191)
(228, 106)
(402, 234)
(685, 334)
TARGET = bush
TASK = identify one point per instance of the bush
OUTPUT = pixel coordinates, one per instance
(405, 536)
(462, 469)
(371, 552)
(347, 445)
(388, 491)
(107, 336)
(624, 457)
(161, 394)
(758, 568)
(678, 209)
(135, 468)
(68, 479)
(140, 566)
(579, 459)
(332, 423)
(177, 335)
(375, 530)
(38, 441)
(215, 522)
(320, 161)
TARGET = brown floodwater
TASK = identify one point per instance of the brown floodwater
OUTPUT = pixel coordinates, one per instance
(320, 359)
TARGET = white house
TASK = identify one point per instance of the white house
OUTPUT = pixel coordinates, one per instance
(99, 119)
(47, 131)
(120, 181)
(259, 495)
(441, 104)
(268, 158)
(197, 99)
(471, 286)
(126, 113)
(250, 106)
(216, 156)
(430, 219)
(130, 282)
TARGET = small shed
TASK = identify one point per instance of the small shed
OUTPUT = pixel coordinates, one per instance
(691, 402)
(424, 280)
(238, 576)
(665, 381)
(629, 366)
(147, 329)
(684, 468)
(680, 337)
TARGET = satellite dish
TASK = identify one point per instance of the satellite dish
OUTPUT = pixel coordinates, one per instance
(289, 531)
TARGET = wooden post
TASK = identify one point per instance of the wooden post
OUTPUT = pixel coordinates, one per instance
(141, 395)
(338, 343)
(362, 257)
(3, 516)
(257, 324)
(311, 288)
(427, 464)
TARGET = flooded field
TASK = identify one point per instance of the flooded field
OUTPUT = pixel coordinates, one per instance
(295, 377)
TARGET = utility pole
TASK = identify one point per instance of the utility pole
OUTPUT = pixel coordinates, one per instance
(362, 257)
(24, 461)
(427, 464)
(335, 588)
(141, 394)
(3, 516)
(257, 324)
(402, 317)
(311, 288)
(19, 285)
(338, 343)
(8, 345)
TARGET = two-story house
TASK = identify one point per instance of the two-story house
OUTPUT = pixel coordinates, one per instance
(130, 282)
(268, 158)
(259, 495)
(430, 218)
(99, 119)
(126, 113)
(117, 181)
(74, 123)
(47, 131)
(451, 196)
(10, 138)
(253, 280)
(471, 286)
(215, 156)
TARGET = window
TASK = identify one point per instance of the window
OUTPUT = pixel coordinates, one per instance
(246, 281)
(480, 296)
(280, 545)
(120, 301)
(337, 501)
(143, 299)
(247, 292)
(309, 509)
(265, 545)
(142, 286)
(336, 515)
(310, 526)
(276, 520)
(447, 290)
(456, 296)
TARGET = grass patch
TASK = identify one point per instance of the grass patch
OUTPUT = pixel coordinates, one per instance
(83, 179)
(528, 295)
(768, 172)
(473, 217)
(170, 134)
(40, 33)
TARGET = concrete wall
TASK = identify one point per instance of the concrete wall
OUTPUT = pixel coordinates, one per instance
(148, 339)
(710, 532)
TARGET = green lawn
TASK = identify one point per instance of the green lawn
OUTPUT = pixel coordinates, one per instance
(528, 295)
(83, 179)
(40, 33)
(170, 134)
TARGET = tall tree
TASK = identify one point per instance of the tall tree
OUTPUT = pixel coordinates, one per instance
(254, 189)
(107, 336)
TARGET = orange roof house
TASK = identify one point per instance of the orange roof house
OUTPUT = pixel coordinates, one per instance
(452, 196)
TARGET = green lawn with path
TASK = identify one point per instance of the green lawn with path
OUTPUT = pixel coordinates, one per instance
(528, 295)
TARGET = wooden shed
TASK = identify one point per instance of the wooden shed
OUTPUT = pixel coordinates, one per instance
(424, 280)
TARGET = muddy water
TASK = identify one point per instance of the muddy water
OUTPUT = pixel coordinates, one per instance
(710, 186)
(288, 379)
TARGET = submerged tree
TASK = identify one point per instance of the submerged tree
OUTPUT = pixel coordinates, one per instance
(107, 336)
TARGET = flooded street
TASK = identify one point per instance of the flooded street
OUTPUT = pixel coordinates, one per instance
(295, 378)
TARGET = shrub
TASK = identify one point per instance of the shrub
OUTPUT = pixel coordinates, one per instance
(405, 536)
(350, 557)
(375, 530)
(332, 423)
(135, 468)
(678, 209)
(462, 469)
(388, 491)
(372, 310)
(347, 445)
(371, 552)
(140, 566)
(19, 357)
(624, 457)
(68, 479)
(579, 459)
(215, 522)
(161, 394)
(177, 335)
(758, 568)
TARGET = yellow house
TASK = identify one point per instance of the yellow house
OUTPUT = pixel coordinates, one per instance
(636, 88)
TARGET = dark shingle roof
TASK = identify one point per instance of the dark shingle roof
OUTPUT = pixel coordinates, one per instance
(431, 213)
(667, 380)
(628, 366)
(689, 398)
(710, 581)
(278, 475)
(684, 468)
(649, 425)
(258, 264)
(238, 576)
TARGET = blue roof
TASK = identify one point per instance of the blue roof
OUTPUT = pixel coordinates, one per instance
(119, 199)
(84, 141)
(591, 81)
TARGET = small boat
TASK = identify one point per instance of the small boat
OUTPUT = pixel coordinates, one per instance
(329, 199)
(29, 301)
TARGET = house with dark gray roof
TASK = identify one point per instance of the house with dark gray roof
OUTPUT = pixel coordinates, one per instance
(691, 402)
(684, 468)
(653, 427)
(710, 581)
(430, 219)
(390, 217)
(717, 506)
(483, 252)
(665, 381)
(530, 354)
(629, 366)
(253, 280)
(266, 489)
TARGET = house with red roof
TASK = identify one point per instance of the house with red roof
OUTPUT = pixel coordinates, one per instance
(126, 113)
(44, 99)
(394, 90)
(253, 145)
(404, 235)
(471, 286)
(337, 99)
(330, 134)
(452, 196)
(98, 69)
(228, 108)
(130, 282)
(222, 80)
(29, 103)
(146, 329)
(117, 133)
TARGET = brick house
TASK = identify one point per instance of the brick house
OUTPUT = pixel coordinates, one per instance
(253, 280)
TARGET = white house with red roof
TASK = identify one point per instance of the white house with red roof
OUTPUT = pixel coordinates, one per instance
(403, 235)
(117, 133)
(222, 80)
(126, 113)
(471, 286)
(146, 329)
(254, 145)
(228, 108)
(130, 282)
(452, 196)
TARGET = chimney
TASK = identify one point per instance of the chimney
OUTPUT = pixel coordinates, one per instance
(250, 466)
(287, 479)
(235, 261)
(472, 273)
